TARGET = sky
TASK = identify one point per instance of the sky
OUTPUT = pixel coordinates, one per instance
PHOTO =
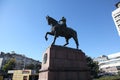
(23, 26)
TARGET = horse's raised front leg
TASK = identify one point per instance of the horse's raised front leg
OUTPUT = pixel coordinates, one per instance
(54, 39)
(50, 33)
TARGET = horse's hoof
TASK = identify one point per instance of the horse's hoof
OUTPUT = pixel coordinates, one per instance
(46, 39)
(64, 45)
(52, 43)
(77, 47)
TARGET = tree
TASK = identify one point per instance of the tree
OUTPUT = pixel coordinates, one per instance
(30, 66)
(35, 67)
(94, 68)
(9, 65)
(119, 73)
(38, 67)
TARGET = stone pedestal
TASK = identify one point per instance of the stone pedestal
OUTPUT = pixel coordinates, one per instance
(62, 63)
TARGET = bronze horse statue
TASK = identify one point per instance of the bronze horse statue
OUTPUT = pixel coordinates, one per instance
(57, 30)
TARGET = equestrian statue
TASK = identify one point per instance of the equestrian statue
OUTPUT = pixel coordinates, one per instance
(59, 28)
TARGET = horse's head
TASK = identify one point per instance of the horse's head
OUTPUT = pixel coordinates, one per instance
(48, 19)
(51, 21)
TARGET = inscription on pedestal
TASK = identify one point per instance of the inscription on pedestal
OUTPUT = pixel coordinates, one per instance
(45, 58)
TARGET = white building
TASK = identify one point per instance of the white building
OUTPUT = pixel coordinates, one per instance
(109, 63)
(116, 17)
(1, 59)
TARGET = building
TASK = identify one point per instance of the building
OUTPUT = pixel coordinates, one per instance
(116, 17)
(24, 75)
(110, 63)
(101, 58)
(1, 59)
(21, 61)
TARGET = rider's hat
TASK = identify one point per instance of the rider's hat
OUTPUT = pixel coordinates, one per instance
(63, 19)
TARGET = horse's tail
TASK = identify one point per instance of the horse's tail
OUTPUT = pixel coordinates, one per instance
(76, 39)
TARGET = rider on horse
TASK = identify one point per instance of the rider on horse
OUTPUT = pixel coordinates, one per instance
(61, 30)
(63, 22)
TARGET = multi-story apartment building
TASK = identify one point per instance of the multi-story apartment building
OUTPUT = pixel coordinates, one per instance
(1, 59)
(116, 17)
(109, 63)
(21, 60)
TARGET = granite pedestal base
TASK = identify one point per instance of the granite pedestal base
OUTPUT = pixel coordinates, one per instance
(63, 63)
